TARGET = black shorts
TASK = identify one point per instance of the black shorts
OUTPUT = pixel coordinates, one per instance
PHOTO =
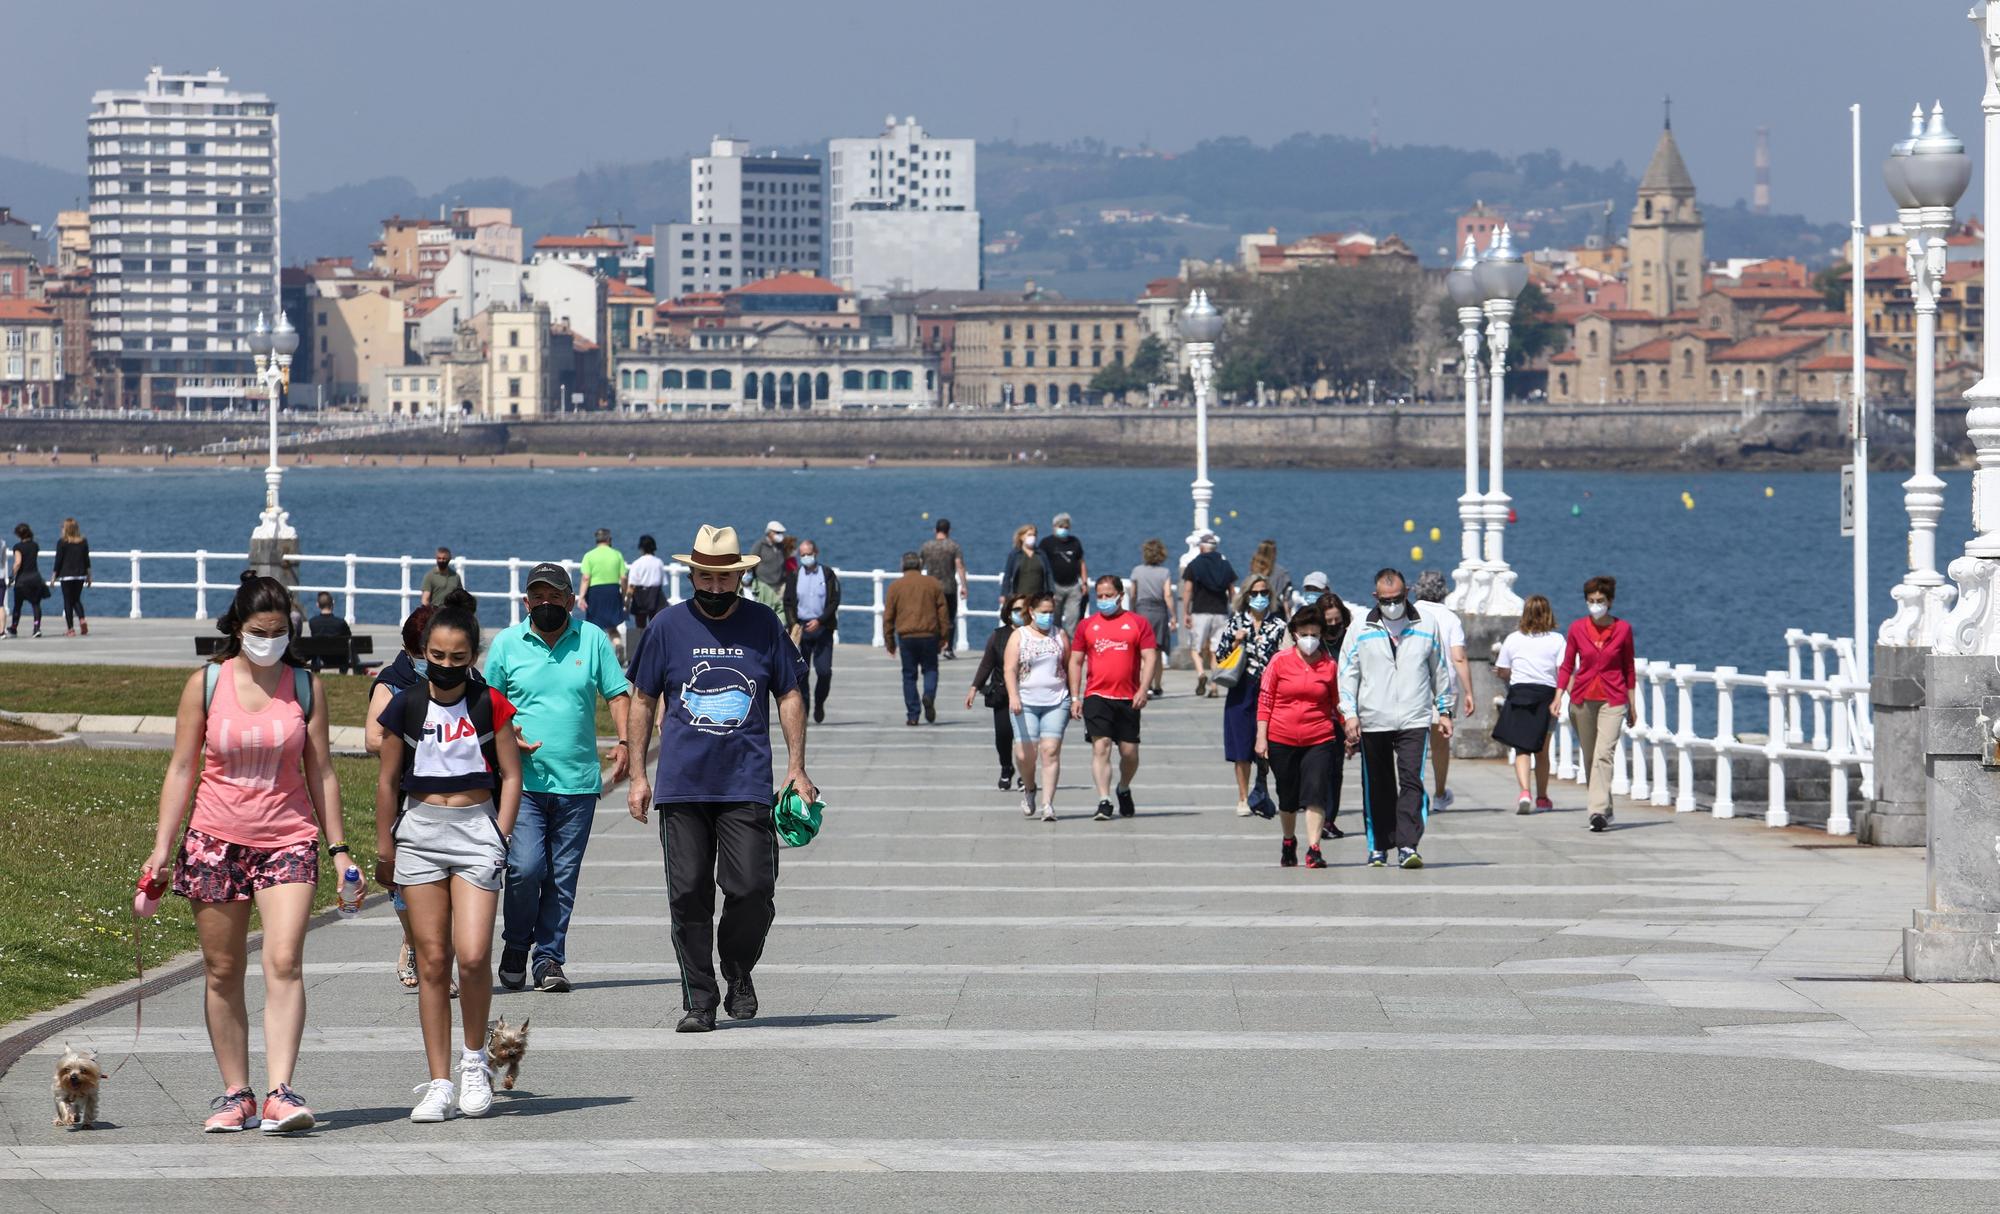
(1107, 718)
(1304, 774)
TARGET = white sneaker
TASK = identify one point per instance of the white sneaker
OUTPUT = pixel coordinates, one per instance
(1027, 802)
(437, 1101)
(475, 1088)
(1243, 809)
(1049, 812)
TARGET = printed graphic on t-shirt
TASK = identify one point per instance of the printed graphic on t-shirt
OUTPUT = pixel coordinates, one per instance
(254, 755)
(717, 698)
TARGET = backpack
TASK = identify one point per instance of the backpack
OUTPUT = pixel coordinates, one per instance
(302, 687)
(478, 707)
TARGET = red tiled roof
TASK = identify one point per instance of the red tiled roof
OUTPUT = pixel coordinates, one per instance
(789, 284)
(1961, 271)
(1684, 314)
(1655, 351)
(582, 345)
(645, 242)
(1801, 294)
(17, 308)
(425, 306)
(1845, 362)
(577, 242)
(1782, 313)
(1566, 358)
(1818, 320)
(1626, 315)
(1890, 267)
(618, 288)
(1163, 288)
(1767, 348)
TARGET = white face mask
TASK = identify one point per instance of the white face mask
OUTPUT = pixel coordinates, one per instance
(1597, 610)
(1308, 646)
(1392, 611)
(1028, 542)
(265, 651)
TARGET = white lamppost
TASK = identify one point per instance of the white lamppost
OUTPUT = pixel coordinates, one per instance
(1200, 325)
(1927, 173)
(1500, 276)
(273, 352)
(1471, 579)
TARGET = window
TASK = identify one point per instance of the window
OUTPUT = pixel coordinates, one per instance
(513, 337)
(697, 379)
(1029, 357)
(850, 381)
(513, 387)
(1075, 358)
(1073, 329)
(670, 378)
(878, 381)
(1618, 380)
(1006, 332)
(1118, 332)
(1593, 341)
(1006, 358)
(719, 380)
(1562, 384)
(900, 381)
(820, 385)
(1641, 379)
(1028, 394)
(1687, 363)
(1097, 358)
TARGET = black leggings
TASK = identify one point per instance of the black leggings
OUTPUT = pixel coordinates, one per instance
(72, 603)
(1003, 738)
(18, 604)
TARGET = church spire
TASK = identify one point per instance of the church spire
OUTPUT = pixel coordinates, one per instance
(1668, 103)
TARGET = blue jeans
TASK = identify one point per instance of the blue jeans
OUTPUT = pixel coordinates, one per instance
(918, 653)
(543, 863)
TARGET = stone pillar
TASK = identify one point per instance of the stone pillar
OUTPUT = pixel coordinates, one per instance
(270, 556)
(1895, 818)
(1483, 633)
(1957, 939)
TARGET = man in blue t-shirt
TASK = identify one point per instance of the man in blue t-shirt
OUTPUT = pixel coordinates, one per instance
(712, 665)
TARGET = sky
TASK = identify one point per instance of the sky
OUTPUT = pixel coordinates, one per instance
(439, 91)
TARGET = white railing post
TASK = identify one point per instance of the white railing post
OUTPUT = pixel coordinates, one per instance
(1774, 747)
(134, 557)
(1656, 680)
(352, 586)
(513, 590)
(959, 617)
(200, 583)
(876, 609)
(1684, 736)
(1636, 727)
(404, 593)
(1837, 820)
(1725, 736)
(1621, 784)
(1562, 750)
(673, 584)
(1795, 731)
(1819, 704)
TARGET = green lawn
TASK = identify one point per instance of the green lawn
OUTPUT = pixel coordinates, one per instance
(155, 691)
(74, 827)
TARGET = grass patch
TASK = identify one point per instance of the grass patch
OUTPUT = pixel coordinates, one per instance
(155, 691)
(14, 731)
(77, 824)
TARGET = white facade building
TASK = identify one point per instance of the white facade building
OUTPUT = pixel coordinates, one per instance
(903, 212)
(776, 202)
(184, 232)
(691, 257)
(783, 367)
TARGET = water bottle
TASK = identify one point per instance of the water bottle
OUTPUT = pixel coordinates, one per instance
(350, 892)
(146, 899)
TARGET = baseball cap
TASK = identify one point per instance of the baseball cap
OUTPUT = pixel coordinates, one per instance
(1315, 578)
(1207, 537)
(551, 574)
(774, 527)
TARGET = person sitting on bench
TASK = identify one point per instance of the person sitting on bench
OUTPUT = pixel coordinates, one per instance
(328, 626)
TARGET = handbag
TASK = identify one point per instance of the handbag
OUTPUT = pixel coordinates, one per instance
(1228, 671)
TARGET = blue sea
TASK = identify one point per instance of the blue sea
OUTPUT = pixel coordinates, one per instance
(1713, 584)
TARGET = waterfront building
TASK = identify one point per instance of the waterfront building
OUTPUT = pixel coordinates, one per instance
(72, 242)
(68, 296)
(184, 237)
(1262, 253)
(699, 258)
(417, 249)
(31, 354)
(781, 366)
(20, 273)
(1889, 309)
(1038, 352)
(517, 379)
(772, 209)
(1664, 238)
(903, 212)
(574, 294)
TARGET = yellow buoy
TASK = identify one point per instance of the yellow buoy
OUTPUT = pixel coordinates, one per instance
(1416, 553)
(1409, 524)
(1770, 492)
(1218, 520)
(1688, 502)
(1232, 514)
(829, 520)
(1436, 535)
(927, 514)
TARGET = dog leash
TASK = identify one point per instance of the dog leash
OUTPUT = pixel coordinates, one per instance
(138, 992)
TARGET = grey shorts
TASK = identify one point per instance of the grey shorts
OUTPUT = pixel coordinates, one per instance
(434, 842)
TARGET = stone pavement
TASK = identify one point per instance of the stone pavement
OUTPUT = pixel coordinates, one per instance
(965, 1009)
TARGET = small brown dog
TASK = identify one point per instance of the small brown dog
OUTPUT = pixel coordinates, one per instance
(77, 1078)
(505, 1046)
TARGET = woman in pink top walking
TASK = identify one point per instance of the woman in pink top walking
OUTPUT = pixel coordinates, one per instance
(1595, 680)
(253, 727)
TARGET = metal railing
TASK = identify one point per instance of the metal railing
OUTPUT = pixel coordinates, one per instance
(357, 580)
(1811, 721)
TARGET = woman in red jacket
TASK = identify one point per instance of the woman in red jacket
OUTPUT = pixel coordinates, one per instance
(1596, 679)
(1298, 720)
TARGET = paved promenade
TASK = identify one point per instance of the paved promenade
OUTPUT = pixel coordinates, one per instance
(964, 1009)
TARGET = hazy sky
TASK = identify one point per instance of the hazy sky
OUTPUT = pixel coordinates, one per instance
(437, 92)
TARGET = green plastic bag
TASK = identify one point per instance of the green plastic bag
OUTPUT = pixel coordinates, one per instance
(796, 819)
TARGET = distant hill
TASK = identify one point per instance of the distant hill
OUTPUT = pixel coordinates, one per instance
(1053, 197)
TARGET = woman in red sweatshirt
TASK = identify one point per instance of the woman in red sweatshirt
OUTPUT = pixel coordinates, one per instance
(1297, 721)
(1596, 679)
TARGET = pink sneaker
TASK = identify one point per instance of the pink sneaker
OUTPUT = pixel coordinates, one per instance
(1544, 803)
(234, 1112)
(285, 1113)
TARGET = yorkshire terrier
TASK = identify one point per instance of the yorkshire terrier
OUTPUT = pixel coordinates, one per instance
(505, 1046)
(75, 1087)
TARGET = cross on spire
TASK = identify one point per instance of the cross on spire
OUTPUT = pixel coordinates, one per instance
(1668, 103)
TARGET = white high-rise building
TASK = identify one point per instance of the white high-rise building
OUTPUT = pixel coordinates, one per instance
(183, 237)
(904, 211)
(777, 202)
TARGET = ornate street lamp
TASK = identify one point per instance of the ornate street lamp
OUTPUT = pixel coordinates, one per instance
(273, 536)
(1471, 579)
(1927, 173)
(1500, 277)
(1200, 325)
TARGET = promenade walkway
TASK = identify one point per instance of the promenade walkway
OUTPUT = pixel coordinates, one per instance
(966, 1010)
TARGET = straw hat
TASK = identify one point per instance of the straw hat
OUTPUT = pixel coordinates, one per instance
(716, 551)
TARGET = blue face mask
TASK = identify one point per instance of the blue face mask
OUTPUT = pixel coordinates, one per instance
(1309, 597)
(1107, 606)
(1259, 602)
(1016, 617)
(1062, 533)
(423, 668)
(1045, 620)
(808, 561)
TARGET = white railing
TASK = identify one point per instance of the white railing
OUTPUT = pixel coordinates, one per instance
(353, 580)
(1818, 721)
(392, 424)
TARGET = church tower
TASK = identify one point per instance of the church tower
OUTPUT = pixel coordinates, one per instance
(1665, 238)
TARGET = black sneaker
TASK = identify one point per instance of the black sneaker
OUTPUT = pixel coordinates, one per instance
(1599, 823)
(1288, 854)
(1125, 807)
(819, 712)
(514, 968)
(1314, 859)
(1103, 811)
(1006, 781)
(700, 1020)
(1378, 859)
(1330, 831)
(930, 709)
(550, 978)
(741, 1001)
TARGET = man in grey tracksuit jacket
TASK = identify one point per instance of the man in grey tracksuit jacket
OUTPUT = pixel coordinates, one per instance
(1395, 680)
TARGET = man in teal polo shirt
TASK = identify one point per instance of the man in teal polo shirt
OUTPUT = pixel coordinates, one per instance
(552, 667)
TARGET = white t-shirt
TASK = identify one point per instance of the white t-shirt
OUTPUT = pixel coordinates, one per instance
(648, 570)
(1532, 658)
(1450, 629)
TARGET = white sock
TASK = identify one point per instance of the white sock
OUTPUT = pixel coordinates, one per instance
(473, 1057)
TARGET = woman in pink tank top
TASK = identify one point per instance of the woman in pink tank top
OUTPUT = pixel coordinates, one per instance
(266, 791)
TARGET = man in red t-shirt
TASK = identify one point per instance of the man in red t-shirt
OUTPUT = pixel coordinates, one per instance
(1111, 661)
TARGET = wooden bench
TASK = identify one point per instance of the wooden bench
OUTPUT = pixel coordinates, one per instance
(343, 653)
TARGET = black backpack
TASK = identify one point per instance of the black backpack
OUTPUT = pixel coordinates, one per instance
(478, 706)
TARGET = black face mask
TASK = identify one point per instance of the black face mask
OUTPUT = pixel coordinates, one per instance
(548, 617)
(714, 603)
(444, 564)
(449, 678)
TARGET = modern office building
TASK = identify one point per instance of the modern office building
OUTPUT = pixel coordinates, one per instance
(903, 212)
(775, 204)
(184, 238)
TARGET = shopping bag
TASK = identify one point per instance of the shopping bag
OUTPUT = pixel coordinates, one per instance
(796, 819)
